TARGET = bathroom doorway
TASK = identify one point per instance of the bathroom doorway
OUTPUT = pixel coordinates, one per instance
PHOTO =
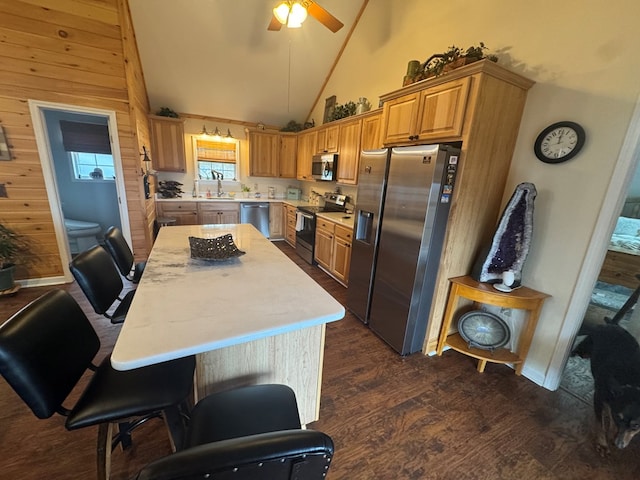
(82, 168)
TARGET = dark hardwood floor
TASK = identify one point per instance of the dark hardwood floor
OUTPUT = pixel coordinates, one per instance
(390, 417)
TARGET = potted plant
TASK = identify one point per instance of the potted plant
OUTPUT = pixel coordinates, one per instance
(453, 58)
(12, 246)
(245, 191)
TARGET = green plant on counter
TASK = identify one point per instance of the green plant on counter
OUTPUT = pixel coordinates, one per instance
(245, 188)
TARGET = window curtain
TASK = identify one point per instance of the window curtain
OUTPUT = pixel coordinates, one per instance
(85, 137)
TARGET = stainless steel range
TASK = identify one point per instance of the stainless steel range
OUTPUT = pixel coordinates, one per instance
(306, 223)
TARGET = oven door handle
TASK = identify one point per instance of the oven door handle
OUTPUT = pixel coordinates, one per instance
(306, 215)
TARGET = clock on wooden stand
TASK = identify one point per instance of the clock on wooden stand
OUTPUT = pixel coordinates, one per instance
(559, 142)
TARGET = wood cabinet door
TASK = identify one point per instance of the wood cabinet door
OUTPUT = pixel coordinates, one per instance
(349, 156)
(276, 220)
(306, 149)
(324, 248)
(341, 258)
(263, 154)
(287, 160)
(183, 217)
(185, 213)
(342, 253)
(370, 138)
(400, 116)
(442, 110)
(167, 148)
(290, 227)
(327, 139)
(228, 216)
(208, 217)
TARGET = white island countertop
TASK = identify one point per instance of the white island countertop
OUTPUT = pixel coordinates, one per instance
(185, 306)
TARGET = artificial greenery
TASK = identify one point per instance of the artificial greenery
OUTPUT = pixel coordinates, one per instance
(292, 126)
(167, 112)
(439, 63)
(343, 111)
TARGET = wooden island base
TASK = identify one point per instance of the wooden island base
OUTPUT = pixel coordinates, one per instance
(292, 358)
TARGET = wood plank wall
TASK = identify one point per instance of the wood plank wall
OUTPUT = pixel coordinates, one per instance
(75, 52)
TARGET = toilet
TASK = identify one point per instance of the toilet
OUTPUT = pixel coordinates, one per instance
(82, 235)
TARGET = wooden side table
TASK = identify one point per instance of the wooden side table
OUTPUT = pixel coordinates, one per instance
(521, 298)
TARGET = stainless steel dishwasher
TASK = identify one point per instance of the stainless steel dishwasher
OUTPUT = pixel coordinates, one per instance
(257, 214)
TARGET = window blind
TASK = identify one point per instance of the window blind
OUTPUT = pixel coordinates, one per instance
(212, 151)
(85, 137)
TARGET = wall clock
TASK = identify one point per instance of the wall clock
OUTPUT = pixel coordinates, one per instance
(559, 142)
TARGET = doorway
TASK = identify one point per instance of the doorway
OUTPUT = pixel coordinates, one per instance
(84, 200)
(626, 163)
(615, 294)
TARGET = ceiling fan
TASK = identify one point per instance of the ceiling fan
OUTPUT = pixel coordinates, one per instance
(293, 12)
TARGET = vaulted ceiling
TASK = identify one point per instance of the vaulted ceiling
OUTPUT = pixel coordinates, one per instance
(216, 57)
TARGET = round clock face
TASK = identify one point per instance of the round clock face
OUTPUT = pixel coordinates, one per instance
(483, 330)
(559, 142)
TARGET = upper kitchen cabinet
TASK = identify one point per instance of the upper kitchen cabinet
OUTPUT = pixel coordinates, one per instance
(306, 149)
(328, 139)
(288, 156)
(370, 139)
(167, 147)
(272, 155)
(349, 151)
(435, 112)
(263, 154)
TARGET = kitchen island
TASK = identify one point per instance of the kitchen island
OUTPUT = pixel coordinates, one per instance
(257, 318)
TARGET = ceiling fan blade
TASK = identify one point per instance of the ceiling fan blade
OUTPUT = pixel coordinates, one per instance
(274, 25)
(324, 17)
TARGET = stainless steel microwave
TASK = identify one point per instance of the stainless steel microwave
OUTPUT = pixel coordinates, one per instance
(323, 166)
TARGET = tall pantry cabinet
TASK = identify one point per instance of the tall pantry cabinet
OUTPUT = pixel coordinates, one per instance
(479, 106)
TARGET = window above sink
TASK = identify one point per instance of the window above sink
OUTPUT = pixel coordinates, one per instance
(214, 156)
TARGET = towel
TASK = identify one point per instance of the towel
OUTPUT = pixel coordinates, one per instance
(299, 221)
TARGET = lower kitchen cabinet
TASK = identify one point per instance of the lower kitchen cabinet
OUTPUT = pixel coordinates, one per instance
(333, 249)
(185, 213)
(290, 225)
(342, 253)
(218, 212)
(323, 249)
(276, 221)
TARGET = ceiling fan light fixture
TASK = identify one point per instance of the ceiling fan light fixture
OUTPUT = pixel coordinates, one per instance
(281, 12)
(297, 15)
(290, 13)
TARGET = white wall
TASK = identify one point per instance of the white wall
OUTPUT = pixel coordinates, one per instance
(581, 54)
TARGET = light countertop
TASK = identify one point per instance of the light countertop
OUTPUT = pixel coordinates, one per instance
(341, 218)
(185, 306)
(237, 198)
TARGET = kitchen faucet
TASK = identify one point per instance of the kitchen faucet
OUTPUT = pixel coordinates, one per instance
(218, 175)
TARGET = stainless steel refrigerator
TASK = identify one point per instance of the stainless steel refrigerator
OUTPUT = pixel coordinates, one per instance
(402, 207)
